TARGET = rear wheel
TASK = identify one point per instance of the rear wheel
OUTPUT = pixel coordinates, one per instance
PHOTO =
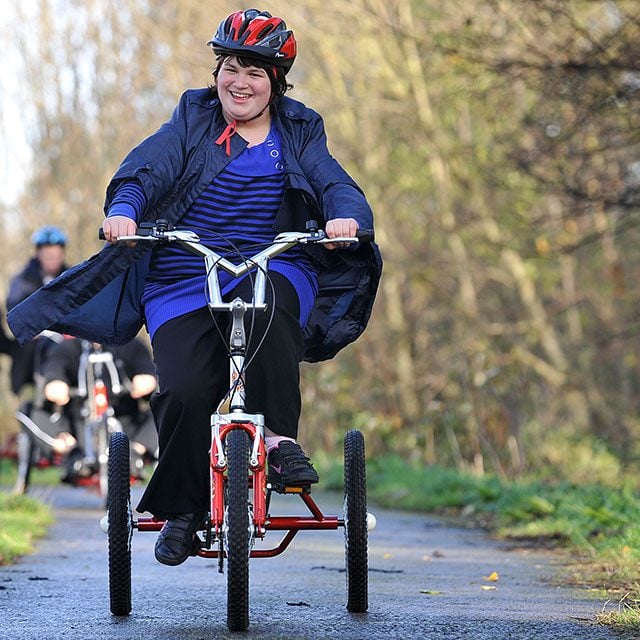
(120, 525)
(237, 534)
(355, 522)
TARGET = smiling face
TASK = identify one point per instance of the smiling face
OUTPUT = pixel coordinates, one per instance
(244, 92)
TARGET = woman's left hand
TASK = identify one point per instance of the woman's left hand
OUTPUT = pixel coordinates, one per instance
(340, 228)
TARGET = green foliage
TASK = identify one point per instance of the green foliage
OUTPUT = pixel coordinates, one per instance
(626, 617)
(22, 519)
(392, 481)
(567, 452)
(588, 516)
(596, 519)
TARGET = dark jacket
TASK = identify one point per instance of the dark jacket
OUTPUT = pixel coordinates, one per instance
(25, 359)
(99, 299)
(26, 282)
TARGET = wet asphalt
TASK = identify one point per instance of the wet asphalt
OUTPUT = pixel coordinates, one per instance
(427, 579)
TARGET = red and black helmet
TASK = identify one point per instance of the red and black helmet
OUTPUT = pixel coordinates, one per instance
(256, 34)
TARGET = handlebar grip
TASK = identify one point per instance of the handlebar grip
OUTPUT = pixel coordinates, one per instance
(365, 235)
(101, 234)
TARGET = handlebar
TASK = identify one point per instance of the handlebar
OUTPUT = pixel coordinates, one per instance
(161, 232)
(92, 361)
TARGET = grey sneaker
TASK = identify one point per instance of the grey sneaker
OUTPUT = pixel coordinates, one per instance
(288, 466)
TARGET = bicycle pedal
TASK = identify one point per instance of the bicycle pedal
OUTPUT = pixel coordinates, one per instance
(283, 489)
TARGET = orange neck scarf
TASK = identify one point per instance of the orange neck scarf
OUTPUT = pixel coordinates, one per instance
(226, 135)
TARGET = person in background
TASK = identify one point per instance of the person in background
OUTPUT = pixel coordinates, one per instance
(136, 372)
(47, 263)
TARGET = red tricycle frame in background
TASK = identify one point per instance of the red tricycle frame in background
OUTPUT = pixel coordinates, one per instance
(92, 420)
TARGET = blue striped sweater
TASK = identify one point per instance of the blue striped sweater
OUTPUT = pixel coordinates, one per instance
(235, 212)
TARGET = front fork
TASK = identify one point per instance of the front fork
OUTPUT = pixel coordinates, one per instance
(253, 425)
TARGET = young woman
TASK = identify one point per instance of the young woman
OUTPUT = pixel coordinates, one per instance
(238, 161)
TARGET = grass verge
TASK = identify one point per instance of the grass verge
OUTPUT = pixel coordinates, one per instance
(22, 520)
(40, 476)
(598, 525)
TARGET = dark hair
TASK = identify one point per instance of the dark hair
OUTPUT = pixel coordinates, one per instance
(279, 84)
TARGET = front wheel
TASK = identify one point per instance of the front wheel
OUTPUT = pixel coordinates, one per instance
(237, 530)
(120, 525)
(355, 522)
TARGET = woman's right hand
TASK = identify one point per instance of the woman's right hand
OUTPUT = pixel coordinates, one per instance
(116, 226)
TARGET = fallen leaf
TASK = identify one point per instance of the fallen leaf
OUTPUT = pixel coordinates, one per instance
(488, 587)
(386, 556)
(431, 592)
(494, 577)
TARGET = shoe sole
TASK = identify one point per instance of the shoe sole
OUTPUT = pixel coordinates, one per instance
(171, 562)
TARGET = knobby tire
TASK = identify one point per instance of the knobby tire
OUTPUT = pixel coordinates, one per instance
(355, 528)
(237, 501)
(120, 525)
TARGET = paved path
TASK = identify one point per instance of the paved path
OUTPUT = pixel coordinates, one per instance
(426, 581)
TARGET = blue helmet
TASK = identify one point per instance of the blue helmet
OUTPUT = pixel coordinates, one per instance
(49, 235)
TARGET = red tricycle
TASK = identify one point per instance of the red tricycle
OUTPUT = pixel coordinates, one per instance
(239, 491)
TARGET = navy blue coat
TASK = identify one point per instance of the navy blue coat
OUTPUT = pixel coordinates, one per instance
(99, 299)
